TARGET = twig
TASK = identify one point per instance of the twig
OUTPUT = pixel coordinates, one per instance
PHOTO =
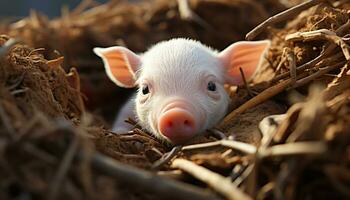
(238, 170)
(245, 82)
(219, 183)
(163, 188)
(281, 17)
(7, 46)
(263, 96)
(186, 13)
(19, 91)
(266, 189)
(217, 133)
(246, 172)
(268, 128)
(166, 158)
(321, 34)
(283, 60)
(292, 65)
(82, 6)
(296, 148)
(18, 81)
(63, 169)
(6, 121)
(41, 154)
(241, 146)
(343, 28)
(317, 74)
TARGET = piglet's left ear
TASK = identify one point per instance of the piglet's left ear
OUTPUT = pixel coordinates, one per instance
(247, 55)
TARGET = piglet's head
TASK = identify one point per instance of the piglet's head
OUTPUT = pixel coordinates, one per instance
(181, 83)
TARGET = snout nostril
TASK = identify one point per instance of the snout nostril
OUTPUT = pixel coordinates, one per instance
(188, 123)
(170, 124)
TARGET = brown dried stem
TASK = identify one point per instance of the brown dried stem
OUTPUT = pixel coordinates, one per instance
(317, 74)
(219, 183)
(63, 169)
(281, 17)
(166, 158)
(292, 65)
(296, 148)
(245, 82)
(263, 96)
(241, 146)
(164, 188)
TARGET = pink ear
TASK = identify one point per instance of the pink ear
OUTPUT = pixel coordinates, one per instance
(246, 55)
(120, 64)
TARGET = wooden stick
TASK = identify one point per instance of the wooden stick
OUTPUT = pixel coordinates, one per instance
(186, 13)
(263, 96)
(219, 183)
(166, 158)
(245, 82)
(317, 74)
(287, 14)
(163, 188)
(292, 65)
(296, 148)
(241, 146)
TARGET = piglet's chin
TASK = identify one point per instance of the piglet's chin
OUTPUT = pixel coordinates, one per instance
(178, 125)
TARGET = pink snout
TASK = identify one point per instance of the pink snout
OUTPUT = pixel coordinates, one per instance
(177, 124)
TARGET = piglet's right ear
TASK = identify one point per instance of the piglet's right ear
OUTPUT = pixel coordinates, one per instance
(121, 65)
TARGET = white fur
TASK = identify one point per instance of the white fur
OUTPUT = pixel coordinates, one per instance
(176, 69)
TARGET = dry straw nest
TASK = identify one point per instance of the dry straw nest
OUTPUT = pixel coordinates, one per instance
(52, 148)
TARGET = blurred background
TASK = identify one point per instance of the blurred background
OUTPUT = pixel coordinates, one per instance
(21, 8)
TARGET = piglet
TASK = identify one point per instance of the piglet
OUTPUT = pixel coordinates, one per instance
(180, 83)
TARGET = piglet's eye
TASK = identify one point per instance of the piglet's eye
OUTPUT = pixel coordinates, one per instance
(145, 89)
(211, 86)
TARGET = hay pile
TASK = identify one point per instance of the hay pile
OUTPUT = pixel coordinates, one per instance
(136, 26)
(51, 148)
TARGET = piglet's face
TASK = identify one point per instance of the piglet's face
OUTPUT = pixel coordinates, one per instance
(180, 83)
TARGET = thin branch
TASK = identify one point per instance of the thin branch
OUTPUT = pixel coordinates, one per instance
(296, 148)
(218, 134)
(241, 146)
(163, 188)
(6, 121)
(292, 12)
(283, 60)
(219, 183)
(245, 82)
(246, 172)
(186, 13)
(63, 169)
(263, 96)
(166, 158)
(317, 74)
(292, 65)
